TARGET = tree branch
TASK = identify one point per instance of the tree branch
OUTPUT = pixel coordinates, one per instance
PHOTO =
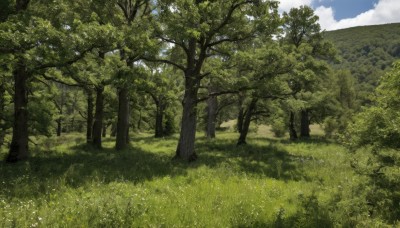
(225, 21)
(182, 45)
(58, 80)
(69, 62)
(214, 94)
(165, 61)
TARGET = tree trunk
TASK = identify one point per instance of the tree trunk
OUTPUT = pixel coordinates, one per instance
(60, 111)
(19, 143)
(2, 114)
(305, 124)
(292, 127)
(59, 127)
(159, 128)
(127, 138)
(21, 5)
(246, 122)
(212, 108)
(139, 122)
(89, 119)
(98, 117)
(113, 130)
(123, 119)
(240, 118)
(104, 133)
(185, 149)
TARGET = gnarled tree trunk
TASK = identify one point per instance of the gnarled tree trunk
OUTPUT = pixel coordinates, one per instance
(19, 143)
(246, 122)
(98, 117)
(305, 124)
(123, 120)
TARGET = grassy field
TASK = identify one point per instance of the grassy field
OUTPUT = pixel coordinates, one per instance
(267, 183)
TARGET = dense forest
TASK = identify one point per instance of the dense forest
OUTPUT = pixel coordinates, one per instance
(131, 113)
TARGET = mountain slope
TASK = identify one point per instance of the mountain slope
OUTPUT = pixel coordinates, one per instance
(367, 52)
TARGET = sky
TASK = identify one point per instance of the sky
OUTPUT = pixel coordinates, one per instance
(339, 14)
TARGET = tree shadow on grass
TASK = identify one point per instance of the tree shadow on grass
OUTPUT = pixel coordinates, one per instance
(259, 160)
(311, 213)
(49, 170)
(82, 164)
(314, 140)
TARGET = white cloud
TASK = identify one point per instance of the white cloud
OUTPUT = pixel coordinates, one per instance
(286, 5)
(385, 11)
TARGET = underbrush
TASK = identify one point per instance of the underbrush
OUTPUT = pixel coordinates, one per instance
(267, 183)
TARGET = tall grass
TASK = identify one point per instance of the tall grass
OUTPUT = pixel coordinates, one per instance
(267, 183)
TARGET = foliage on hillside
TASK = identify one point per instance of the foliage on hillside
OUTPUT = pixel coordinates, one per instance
(367, 51)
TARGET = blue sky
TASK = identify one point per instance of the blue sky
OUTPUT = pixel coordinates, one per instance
(346, 8)
(338, 14)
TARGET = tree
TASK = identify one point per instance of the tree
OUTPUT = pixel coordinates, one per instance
(199, 28)
(340, 102)
(263, 69)
(19, 143)
(34, 44)
(163, 85)
(303, 32)
(216, 88)
(136, 15)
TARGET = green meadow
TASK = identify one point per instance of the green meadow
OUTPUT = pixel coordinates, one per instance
(267, 183)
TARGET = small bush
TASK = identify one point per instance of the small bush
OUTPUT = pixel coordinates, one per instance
(279, 127)
(330, 127)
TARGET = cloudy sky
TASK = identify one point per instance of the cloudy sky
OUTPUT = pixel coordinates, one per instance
(338, 14)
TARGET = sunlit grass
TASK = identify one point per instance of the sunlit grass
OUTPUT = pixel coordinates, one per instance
(269, 182)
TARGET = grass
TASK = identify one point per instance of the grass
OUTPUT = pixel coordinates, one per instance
(268, 183)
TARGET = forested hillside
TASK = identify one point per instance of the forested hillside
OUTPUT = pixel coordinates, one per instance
(367, 52)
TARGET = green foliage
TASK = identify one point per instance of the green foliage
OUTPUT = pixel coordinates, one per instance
(378, 125)
(301, 25)
(279, 126)
(107, 45)
(170, 125)
(367, 52)
(41, 119)
(375, 133)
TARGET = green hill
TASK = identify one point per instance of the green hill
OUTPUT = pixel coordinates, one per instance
(367, 52)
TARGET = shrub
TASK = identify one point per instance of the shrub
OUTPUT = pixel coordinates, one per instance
(279, 127)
